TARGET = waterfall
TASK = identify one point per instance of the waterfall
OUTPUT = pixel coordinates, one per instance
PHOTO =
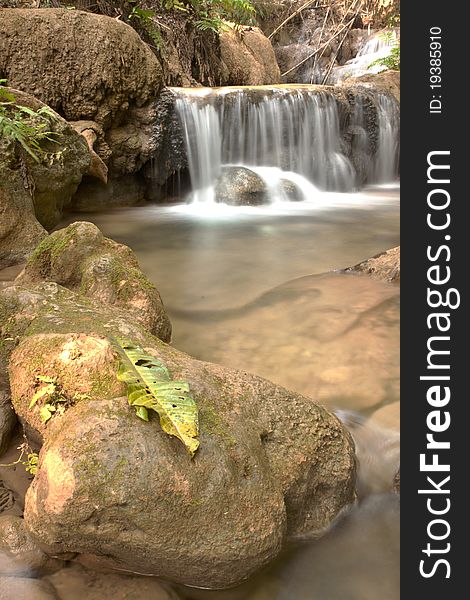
(386, 164)
(376, 47)
(203, 139)
(375, 124)
(282, 143)
(282, 135)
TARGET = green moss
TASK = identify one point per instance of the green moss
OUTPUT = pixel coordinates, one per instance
(211, 423)
(50, 248)
(125, 279)
(106, 386)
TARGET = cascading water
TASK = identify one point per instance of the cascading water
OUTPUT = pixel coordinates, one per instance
(375, 146)
(376, 47)
(203, 141)
(286, 143)
(286, 135)
(386, 165)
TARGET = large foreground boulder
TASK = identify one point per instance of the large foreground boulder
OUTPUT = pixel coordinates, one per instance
(271, 466)
(81, 259)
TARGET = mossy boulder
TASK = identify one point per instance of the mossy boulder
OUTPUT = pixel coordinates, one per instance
(81, 259)
(272, 465)
(84, 65)
(33, 193)
(20, 231)
(96, 72)
(81, 368)
(247, 58)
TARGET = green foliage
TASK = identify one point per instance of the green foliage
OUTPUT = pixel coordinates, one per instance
(24, 126)
(146, 18)
(52, 399)
(215, 15)
(393, 20)
(149, 387)
(50, 393)
(31, 464)
(392, 60)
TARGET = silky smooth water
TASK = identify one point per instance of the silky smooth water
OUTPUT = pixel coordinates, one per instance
(378, 46)
(283, 134)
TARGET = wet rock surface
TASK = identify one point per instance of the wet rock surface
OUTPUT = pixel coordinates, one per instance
(74, 583)
(384, 266)
(7, 420)
(239, 186)
(20, 556)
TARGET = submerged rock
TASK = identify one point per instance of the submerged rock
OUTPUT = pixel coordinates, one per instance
(20, 556)
(81, 259)
(272, 465)
(240, 186)
(93, 585)
(291, 190)
(13, 588)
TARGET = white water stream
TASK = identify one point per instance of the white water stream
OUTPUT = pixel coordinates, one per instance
(286, 134)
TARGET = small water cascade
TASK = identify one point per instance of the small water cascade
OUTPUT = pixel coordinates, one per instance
(386, 165)
(279, 144)
(375, 146)
(281, 135)
(376, 47)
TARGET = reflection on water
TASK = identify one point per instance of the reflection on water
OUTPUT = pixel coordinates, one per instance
(253, 289)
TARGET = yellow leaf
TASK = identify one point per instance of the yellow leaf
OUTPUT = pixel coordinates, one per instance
(149, 386)
(46, 390)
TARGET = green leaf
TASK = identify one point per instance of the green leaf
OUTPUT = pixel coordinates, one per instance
(142, 413)
(149, 387)
(46, 412)
(46, 390)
